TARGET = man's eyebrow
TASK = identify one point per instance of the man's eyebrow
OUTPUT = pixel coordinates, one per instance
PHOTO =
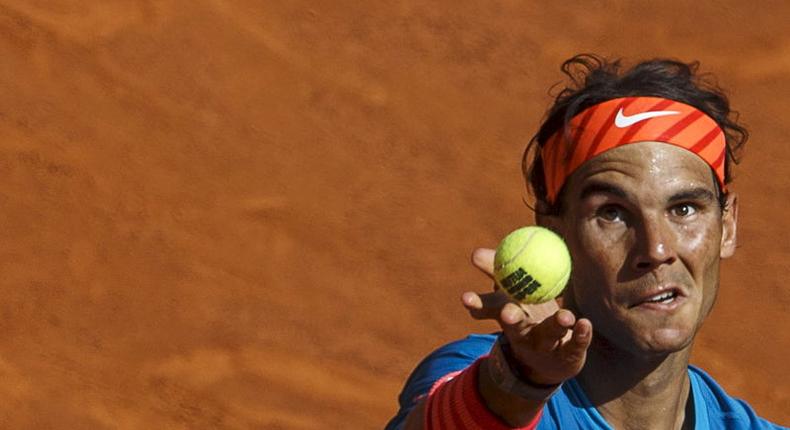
(698, 194)
(602, 188)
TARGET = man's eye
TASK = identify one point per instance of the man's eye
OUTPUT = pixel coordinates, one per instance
(611, 213)
(683, 210)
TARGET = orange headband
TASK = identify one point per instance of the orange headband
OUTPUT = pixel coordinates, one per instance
(627, 120)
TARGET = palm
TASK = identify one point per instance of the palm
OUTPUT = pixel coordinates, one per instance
(549, 342)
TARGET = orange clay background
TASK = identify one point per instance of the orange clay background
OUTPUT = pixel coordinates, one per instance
(246, 214)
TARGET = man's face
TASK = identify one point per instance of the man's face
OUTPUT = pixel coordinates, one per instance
(646, 232)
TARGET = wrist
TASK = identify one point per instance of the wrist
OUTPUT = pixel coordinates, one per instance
(510, 376)
(467, 399)
(516, 411)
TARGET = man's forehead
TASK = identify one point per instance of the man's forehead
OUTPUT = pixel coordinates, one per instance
(650, 166)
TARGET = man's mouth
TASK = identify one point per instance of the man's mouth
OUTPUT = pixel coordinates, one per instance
(666, 297)
(663, 298)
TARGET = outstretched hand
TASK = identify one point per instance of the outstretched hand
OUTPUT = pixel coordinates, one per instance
(550, 343)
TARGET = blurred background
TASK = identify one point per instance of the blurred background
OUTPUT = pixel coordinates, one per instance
(244, 214)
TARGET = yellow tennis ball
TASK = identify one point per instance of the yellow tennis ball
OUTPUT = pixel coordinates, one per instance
(532, 265)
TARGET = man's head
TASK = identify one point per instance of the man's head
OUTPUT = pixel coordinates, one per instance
(646, 222)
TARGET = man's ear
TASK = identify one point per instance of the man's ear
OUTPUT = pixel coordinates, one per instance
(729, 226)
(551, 222)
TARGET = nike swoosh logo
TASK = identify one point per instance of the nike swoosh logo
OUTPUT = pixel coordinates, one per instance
(622, 120)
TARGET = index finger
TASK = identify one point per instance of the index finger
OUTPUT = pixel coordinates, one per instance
(484, 306)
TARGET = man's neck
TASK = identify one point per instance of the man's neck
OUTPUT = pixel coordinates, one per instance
(632, 392)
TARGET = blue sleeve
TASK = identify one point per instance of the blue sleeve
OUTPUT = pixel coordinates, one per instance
(452, 357)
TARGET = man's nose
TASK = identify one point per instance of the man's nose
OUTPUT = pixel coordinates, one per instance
(655, 244)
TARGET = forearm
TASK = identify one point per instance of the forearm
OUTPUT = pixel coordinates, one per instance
(416, 417)
(472, 400)
(514, 410)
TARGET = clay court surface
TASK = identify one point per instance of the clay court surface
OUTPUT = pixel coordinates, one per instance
(245, 214)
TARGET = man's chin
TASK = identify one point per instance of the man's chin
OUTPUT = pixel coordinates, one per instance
(664, 341)
(651, 345)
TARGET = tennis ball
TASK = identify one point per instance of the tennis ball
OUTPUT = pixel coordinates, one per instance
(532, 265)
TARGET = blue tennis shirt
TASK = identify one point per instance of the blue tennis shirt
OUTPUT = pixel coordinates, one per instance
(569, 407)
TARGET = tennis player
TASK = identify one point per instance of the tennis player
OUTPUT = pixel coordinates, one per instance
(631, 167)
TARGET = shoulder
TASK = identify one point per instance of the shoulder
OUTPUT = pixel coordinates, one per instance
(470, 347)
(454, 356)
(722, 409)
(451, 357)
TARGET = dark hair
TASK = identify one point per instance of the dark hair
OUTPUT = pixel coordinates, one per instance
(594, 80)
